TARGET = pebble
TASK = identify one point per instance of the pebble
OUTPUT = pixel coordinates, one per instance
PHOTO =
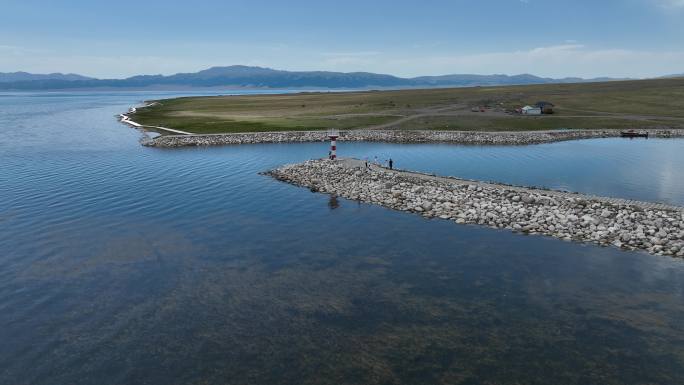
(397, 136)
(657, 231)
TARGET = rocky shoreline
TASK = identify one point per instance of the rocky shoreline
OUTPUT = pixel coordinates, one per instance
(657, 229)
(400, 136)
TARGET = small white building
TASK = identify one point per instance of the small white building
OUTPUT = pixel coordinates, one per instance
(529, 110)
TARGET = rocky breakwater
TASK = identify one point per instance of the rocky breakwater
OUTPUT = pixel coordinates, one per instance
(656, 229)
(238, 138)
(399, 136)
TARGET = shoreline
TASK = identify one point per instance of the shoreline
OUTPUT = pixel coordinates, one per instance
(398, 136)
(627, 224)
(126, 119)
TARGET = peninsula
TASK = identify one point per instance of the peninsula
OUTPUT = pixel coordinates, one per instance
(656, 105)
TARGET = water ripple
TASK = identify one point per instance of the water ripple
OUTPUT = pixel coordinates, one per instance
(154, 264)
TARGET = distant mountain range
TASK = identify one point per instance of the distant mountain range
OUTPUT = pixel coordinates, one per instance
(10, 77)
(259, 77)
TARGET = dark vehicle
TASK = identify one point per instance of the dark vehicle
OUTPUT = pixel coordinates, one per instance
(633, 134)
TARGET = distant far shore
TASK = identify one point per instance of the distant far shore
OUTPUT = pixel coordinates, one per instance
(480, 115)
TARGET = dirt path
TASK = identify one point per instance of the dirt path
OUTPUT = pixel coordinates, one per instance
(422, 113)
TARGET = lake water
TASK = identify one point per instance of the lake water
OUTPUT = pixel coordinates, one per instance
(121, 264)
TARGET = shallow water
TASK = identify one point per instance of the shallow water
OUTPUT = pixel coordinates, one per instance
(125, 264)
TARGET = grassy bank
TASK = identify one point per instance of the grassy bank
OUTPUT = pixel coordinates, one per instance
(610, 105)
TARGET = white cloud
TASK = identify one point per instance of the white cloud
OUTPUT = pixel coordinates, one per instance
(6, 49)
(97, 66)
(671, 4)
(339, 60)
(552, 61)
(351, 54)
(568, 59)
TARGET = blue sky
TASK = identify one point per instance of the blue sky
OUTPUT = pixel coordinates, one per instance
(635, 38)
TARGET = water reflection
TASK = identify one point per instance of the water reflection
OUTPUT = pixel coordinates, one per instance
(333, 202)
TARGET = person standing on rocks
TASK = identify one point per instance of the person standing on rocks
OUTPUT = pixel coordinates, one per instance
(391, 163)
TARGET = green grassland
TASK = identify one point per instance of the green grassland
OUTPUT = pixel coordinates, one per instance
(608, 105)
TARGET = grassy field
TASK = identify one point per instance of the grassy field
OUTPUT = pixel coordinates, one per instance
(610, 105)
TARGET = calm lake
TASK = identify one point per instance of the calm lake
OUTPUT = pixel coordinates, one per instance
(121, 264)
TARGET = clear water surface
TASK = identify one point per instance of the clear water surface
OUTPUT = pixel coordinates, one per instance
(121, 264)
